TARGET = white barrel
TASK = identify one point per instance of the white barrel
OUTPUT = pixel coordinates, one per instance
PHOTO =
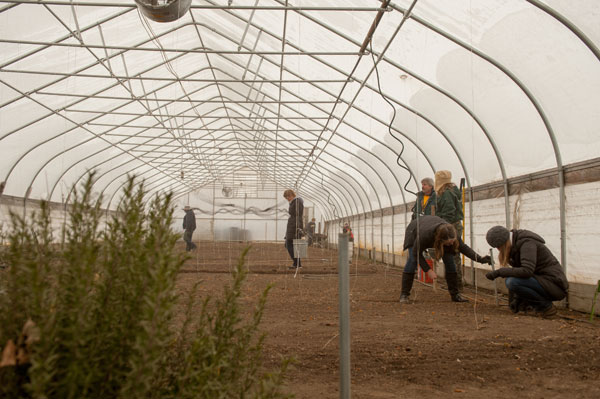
(300, 248)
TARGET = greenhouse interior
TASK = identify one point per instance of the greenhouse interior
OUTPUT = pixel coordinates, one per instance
(376, 116)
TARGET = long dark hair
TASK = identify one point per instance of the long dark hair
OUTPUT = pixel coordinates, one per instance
(442, 233)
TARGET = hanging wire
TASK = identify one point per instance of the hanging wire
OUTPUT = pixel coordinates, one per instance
(329, 200)
(391, 121)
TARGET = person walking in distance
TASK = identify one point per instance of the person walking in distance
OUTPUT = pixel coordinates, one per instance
(449, 208)
(189, 225)
(294, 224)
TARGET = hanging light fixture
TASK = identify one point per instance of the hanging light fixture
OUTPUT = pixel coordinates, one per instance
(164, 10)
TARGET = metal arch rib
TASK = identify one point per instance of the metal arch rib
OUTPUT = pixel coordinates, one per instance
(384, 143)
(561, 176)
(344, 172)
(569, 25)
(544, 119)
(167, 32)
(330, 66)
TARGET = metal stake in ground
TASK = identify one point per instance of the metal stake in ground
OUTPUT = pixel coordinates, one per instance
(494, 269)
(344, 295)
(594, 301)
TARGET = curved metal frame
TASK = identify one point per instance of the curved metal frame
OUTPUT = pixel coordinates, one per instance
(231, 129)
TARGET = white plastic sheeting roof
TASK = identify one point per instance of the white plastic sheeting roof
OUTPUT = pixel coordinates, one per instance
(487, 89)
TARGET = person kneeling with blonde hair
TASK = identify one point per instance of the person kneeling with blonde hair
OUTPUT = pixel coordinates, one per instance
(535, 277)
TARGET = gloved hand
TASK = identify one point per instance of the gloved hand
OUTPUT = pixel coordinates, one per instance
(491, 275)
(484, 259)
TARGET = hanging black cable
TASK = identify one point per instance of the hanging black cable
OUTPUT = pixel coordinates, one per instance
(391, 122)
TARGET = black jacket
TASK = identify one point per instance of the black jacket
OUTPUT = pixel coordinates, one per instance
(295, 221)
(426, 232)
(189, 221)
(530, 257)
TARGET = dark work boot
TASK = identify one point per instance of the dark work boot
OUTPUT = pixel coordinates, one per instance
(452, 281)
(513, 302)
(407, 283)
(549, 312)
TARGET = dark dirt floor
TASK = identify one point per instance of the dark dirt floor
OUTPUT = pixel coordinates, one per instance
(431, 348)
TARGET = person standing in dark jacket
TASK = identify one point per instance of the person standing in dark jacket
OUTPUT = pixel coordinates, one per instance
(311, 227)
(425, 203)
(449, 208)
(535, 276)
(189, 225)
(434, 232)
(294, 224)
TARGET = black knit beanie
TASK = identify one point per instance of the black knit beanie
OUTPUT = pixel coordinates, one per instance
(497, 236)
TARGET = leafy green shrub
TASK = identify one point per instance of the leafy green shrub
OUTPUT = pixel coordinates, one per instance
(103, 302)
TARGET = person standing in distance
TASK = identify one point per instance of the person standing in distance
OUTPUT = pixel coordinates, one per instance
(189, 225)
(311, 231)
(294, 224)
(535, 277)
(426, 199)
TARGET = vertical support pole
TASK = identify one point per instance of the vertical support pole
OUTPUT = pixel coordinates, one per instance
(472, 234)
(344, 295)
(213, 216)
(592, 313)
(358, 234)
(393, 248)
(245, 198)
(495, 280)
(366, 235)
(387, 258)
(373, 235)
(381, 237)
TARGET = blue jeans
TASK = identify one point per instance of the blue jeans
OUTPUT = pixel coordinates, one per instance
(529, 289)
(411, 262)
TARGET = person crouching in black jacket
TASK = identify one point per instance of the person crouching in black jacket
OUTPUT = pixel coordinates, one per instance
(535, 276)
(434, 232)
